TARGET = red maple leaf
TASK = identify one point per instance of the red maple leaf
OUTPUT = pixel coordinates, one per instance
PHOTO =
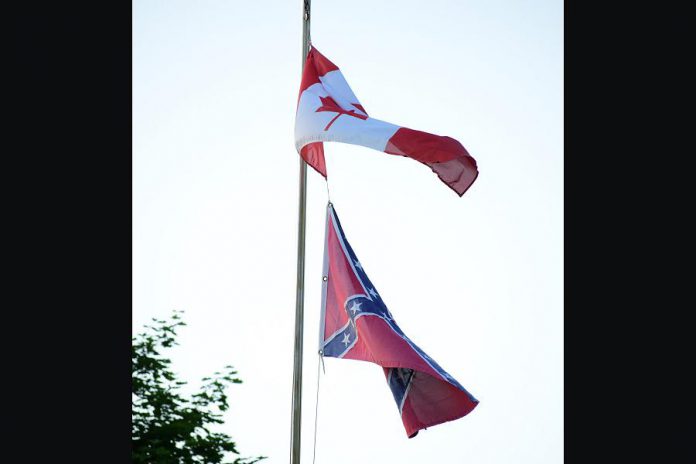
(329, 104)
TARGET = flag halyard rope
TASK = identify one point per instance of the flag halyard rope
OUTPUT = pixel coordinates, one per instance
(320, 365)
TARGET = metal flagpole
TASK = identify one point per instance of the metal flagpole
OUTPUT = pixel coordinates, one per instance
(299, 299)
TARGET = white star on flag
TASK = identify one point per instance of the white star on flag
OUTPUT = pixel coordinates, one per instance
(358, 265)
(346, 339)
(372, 292)
(355, 308)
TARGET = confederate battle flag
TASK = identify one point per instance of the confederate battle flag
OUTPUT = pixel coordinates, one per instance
(356, 324)
(328, 111)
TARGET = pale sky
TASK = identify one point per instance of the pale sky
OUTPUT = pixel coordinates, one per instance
(476, 281)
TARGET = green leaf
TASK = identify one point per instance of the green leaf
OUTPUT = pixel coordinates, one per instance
(168, 427)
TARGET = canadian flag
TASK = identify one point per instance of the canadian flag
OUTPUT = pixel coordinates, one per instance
(329, 111)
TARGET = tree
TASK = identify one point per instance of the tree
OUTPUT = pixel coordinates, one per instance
(167, 427)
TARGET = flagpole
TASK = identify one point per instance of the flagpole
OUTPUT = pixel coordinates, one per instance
(299, 297)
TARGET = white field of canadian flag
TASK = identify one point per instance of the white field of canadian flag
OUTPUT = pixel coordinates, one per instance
(329, 111)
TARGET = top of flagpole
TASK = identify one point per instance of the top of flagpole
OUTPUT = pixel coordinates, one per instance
(306, 35)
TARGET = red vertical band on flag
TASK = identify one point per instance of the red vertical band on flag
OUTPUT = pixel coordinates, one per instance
(321, 63)
(313, 154)
(444, 155)
(316, 65)
(309, 76)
